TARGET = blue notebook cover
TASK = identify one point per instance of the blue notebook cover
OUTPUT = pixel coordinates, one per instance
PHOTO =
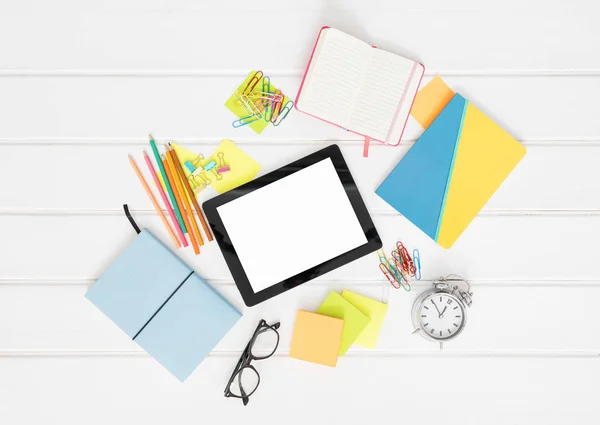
(164, 306)
(416, 187)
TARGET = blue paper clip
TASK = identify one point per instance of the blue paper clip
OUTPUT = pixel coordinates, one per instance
(417, 261)
(245, 121)
(284, 113)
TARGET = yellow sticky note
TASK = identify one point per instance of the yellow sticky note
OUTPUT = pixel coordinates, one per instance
(184, 155)
(430, 101)
(234, 105)
(316, 338)
(354, 321)
(242, 167)
(374, 310)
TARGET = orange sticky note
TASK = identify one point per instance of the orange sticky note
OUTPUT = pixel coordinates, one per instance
(316, 338)
(430, 101)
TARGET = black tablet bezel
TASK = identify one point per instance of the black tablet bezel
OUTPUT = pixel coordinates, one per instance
(252, 298)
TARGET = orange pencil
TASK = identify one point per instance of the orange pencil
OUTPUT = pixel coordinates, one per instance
(182, 192)
(154, 202)
(177, 192)
(190, 192)
(183, 195)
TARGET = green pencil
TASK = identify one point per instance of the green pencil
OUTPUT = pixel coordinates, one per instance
(163, 173)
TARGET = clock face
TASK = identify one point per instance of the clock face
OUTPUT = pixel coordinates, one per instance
(441, 316)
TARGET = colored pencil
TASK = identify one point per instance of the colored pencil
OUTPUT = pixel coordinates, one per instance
(178, 199)
(165, 200)
(163, 173)
(184, 198)
(154, 202)
(190, 192)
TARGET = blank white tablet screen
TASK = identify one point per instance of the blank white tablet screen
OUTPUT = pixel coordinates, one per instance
(292, 224)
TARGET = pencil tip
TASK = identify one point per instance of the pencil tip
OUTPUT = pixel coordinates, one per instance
(130, 157)
(150, 137)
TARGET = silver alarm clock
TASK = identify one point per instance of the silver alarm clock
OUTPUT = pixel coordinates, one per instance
(440, 313)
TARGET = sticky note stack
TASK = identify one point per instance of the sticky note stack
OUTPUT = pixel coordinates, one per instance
(341, 321)
(241, 168)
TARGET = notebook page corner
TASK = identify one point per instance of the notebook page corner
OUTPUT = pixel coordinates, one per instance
(383, 95)
(334, 76)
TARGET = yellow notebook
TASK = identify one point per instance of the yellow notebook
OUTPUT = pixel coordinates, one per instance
(456, 165)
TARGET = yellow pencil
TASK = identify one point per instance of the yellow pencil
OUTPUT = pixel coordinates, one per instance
(182, 193)
(154, 202)
(181, 200)
(190, 192)
(182, 181)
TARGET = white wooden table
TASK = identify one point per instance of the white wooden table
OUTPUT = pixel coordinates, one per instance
(83, 83)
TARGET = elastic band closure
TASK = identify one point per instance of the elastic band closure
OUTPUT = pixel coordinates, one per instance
(163, 304)
(130, 218)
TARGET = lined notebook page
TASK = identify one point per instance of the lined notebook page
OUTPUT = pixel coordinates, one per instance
(376, 108)
(335, 78)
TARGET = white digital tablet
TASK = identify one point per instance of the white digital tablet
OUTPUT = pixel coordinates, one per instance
(292, 225)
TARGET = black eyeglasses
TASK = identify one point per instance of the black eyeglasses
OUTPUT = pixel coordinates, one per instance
(245, 378)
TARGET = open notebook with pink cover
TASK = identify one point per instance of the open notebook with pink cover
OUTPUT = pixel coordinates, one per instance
(358, 87)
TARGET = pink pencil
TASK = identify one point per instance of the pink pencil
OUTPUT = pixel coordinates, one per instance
(165, 200)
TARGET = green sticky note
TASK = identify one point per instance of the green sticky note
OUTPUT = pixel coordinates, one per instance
(374, 310)
(234, 105)
(354, 321)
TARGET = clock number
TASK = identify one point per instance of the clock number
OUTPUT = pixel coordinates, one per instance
(449, 301)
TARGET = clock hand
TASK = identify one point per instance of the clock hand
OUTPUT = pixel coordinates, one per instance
(436, 307)
(442, 313)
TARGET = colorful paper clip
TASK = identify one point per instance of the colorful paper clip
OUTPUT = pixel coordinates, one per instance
(417, 260)
(391, 272)
(401, 268)
(283, 114)
(253, 82)
(276, 107)
(245, 121)
(264, 102)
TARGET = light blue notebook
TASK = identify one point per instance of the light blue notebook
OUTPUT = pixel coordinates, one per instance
(164, 306)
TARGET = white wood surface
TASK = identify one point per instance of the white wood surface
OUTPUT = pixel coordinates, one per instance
(83, 83)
